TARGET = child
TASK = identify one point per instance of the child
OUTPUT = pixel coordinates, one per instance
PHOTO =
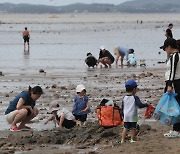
(91, 61)
(63, 117)
(129, 108)
(131, 59)
(81, 107)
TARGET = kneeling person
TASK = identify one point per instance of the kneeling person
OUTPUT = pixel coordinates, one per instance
(105, 57)
(91, 61)
(62, 117)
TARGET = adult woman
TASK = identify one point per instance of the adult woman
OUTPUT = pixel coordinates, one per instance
(22, 109)
(105, 57)
(173, 76)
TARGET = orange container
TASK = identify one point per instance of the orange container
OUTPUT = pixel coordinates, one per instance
(109, 116)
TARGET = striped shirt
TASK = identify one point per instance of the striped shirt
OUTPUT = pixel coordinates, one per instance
(173, 69)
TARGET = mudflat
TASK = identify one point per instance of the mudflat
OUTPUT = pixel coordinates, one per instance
(59, 84)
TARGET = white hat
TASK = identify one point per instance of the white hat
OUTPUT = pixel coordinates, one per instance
(102, 48)
(53, 106)
(80, 88)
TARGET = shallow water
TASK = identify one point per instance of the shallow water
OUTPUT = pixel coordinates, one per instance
(64, 46)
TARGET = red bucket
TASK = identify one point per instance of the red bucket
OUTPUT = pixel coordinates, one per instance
(149, 111)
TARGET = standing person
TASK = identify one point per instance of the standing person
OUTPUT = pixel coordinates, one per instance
(105, 57)
(130, 104)
(172, 76)
(90, 60)
(22, 109)
(121, 52)
(26, 37)
(62, 117)
(168, 32)
(81, 106)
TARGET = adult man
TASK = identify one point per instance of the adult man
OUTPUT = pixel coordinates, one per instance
(26, 37)
(168, 33)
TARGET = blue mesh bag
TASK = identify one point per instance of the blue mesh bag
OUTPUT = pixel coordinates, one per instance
(167, 110)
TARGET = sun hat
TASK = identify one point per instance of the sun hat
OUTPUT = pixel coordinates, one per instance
(102, 48)
(54, 106)
(169, 41)
(80, 88)
(131, 83)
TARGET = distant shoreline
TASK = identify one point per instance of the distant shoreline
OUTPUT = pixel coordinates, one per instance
(8, 18)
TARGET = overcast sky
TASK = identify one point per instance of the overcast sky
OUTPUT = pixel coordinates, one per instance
(62, 2)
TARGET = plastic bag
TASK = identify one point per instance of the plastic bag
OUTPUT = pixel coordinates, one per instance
(168, 105)
(167, 111)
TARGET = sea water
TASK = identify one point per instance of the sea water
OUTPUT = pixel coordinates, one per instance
(64, 46)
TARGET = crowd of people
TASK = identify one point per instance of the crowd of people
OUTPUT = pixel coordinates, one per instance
(23, 108)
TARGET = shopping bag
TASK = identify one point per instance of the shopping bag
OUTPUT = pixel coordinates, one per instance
(109, 116)
(167, 111)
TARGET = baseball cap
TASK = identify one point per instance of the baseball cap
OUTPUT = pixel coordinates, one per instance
(53, 106)
(80, 88)
(131, 83)
(169, 41)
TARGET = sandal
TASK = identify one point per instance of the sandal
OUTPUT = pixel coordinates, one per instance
(172, 134)
(15, 129)
(26, 128)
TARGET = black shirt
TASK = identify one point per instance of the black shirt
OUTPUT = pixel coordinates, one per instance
(106, 54)
(169, 33)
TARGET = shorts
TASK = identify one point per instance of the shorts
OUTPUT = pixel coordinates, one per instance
(26, 39)
(116, 52)
(10, 116)
(130, 125)
(68, 123)
(81, 118)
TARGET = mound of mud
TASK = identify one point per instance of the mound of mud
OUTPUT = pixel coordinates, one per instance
(86, 135)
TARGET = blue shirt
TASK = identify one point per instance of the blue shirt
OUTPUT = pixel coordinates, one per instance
(80, 103)
(123, 52)
(131, 59)
(25, 95)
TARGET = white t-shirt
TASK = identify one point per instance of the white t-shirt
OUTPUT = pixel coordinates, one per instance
(129, 106)
(67, 114)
